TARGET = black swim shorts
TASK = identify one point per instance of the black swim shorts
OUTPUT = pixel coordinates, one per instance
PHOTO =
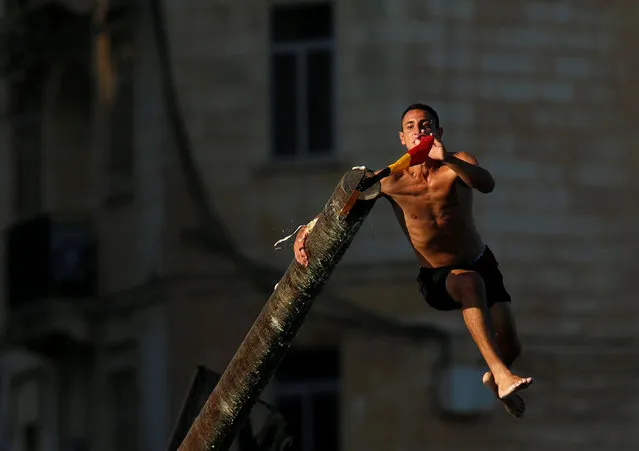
(432, 282)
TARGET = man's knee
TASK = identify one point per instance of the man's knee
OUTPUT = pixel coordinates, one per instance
(466, 287)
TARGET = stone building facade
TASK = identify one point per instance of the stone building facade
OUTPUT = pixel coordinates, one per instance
(150, 276)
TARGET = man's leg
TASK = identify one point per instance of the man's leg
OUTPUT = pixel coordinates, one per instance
(505, 332)
(467, 288)
(509, 348)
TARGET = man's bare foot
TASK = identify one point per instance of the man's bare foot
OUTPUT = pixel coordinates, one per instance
(514, 404)
(512, 384)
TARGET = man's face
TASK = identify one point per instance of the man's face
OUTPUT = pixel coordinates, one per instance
(415, 125)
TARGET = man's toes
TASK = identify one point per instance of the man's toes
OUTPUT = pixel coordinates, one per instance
(518, 403)
(514, 405)
(523, 383)
(518, 385)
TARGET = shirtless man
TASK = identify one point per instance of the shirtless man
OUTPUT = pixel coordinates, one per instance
(433, 203)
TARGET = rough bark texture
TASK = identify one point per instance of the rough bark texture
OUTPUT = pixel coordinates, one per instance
(269, 338)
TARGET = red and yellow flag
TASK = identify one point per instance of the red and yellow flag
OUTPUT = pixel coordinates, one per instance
(416, 155)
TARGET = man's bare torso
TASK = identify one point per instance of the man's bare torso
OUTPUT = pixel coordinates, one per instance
(435, 209)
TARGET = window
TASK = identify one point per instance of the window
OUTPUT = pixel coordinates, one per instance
(124, 396)
(121, 146)
(302, 80)
(31, 437)
(26, 108)
(307, 394)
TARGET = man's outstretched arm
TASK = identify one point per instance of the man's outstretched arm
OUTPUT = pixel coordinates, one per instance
(467, 168)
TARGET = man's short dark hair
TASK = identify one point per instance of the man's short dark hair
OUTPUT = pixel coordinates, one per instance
(420, 106)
